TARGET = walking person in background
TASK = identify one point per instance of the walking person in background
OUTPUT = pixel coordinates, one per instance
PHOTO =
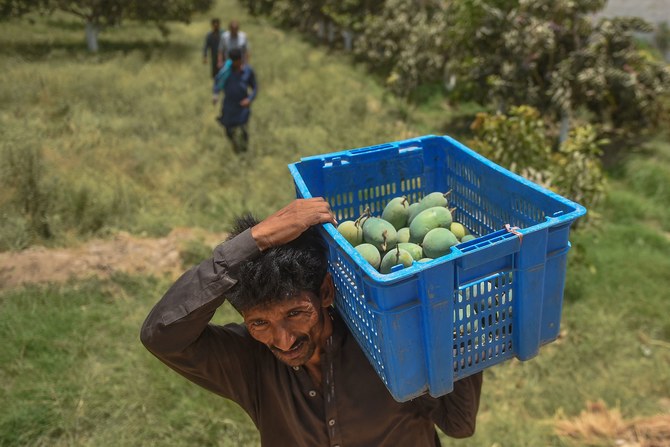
(212, 40)
(233, 39)
(238, 82)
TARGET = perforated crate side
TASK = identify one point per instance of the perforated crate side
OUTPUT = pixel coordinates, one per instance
(490, 299)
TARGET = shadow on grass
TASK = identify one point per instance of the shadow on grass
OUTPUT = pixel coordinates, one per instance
(459, 127)
(32, 52)
(62, 24)
(617, 151)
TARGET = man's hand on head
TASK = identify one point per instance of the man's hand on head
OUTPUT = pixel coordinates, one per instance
(291, 221)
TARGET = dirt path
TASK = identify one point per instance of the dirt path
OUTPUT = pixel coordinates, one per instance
(123, 253)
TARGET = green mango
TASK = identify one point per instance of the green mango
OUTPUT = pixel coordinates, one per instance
(403, 235)
(425, 259)
(396, 212)
(428, 201)
(435, 199)
(467, 237)
(380, 233)
(412, 211)
(370, 254)
(395, 257)
(351, 231)
(413, 249)
(438, 242)
(458, 229)
(426, 220)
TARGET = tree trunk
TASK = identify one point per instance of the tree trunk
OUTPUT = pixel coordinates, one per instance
(331, 29)
(565, 127)
(92, 30)
(321, 29)
(348, 37)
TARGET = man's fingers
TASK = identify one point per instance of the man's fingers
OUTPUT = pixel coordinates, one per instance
(291, 221)
(318, 209)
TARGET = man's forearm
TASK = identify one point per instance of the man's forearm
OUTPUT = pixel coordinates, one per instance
(456, 413)
(183, 313)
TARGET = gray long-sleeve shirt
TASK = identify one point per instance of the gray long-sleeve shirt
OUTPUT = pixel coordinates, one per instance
(352, 408)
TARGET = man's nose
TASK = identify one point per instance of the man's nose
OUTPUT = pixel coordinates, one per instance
(282, 338)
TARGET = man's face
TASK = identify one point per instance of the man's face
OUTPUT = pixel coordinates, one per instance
(292, 329)
(234, 28)
(237, 64)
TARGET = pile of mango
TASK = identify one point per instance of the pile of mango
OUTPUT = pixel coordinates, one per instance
(406, 232)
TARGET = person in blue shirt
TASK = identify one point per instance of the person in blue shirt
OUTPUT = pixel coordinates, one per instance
(238, 82)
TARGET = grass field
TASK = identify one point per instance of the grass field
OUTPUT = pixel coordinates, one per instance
(126, 139)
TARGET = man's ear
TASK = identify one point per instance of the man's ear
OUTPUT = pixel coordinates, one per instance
(327, 291)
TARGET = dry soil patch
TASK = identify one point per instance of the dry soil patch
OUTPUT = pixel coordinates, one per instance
(123, 253)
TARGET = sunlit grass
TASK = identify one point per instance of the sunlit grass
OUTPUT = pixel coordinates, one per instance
(76, 374)
(132, 129)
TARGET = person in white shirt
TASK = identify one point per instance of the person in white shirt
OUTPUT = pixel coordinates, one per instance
(231, 39)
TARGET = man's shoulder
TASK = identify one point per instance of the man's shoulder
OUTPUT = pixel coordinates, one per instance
(248, 71)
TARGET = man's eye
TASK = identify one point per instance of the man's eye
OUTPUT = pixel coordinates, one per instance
(258, 324)
(294, 313)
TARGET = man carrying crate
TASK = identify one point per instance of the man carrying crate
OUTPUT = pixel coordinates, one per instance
(293, 365)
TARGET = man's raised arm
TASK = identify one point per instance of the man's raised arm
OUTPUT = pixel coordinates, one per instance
(181, 316)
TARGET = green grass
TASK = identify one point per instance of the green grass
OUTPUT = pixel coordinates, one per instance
(75, 373)
(126, 139)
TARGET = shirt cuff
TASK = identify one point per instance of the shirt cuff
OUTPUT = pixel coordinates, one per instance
(237, 250)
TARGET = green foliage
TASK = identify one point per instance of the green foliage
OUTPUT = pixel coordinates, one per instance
(662, 37)
(110, 13)
(343, 14)
(552, 56)
(517, 140)
(405, 43)
(622, 86)
(521, 142)
(506, 50)
(15, 8)
(98, 14)
(579, 168)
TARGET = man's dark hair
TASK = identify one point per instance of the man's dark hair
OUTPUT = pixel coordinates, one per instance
(235, 54)
(279, 273)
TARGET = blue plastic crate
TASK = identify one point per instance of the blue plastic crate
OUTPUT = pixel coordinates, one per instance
(491, 299)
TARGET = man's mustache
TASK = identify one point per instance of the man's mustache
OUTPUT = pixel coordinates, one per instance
(295, 344)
